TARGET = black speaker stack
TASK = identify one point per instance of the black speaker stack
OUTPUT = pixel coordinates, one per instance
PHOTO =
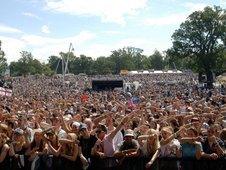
(101, 85)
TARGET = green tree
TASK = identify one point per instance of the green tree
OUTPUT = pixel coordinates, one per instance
(221, 64)
(82, 64)
(22, 66)
(3, 62)
(146, 63)
(46, 70)
(127, 58)
(180, 63)
(201, 38)
(68, 59)
(103, 65)
(55, 64)
(26, 65)
(157, 61)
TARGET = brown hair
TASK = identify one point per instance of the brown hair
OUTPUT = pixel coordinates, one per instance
(193, 130)
(4, 137)
(168, 129)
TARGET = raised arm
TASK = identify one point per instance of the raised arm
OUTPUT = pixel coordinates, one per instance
(4, 153)
(141, 138)
(154, 157)
(64, 124)
(169, 139)
(118, 128)
(55, 152)
(97, 120)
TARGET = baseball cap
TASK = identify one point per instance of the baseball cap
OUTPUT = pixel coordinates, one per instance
(82, 126)
(18, 131)
(77, 124)
(129, 133)
(51, 132)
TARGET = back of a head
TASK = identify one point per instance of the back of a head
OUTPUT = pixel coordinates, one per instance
(152, 131)
(102, 128)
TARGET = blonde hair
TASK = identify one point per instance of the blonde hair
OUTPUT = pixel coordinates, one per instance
(4, 128)
(71, 147)
(89, 123)
(72, 136)
(156, 145)
(152, 131)
(168, 129)
(4, 138)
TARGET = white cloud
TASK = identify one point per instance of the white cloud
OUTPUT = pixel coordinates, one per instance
(112, 32)
(29, 14)
(8, 29)
(42, 47)
(195, 6)
(12, 47)
(143, 43)
(223, 3)
(100, 49)
(176, 18)
(97, 50)
(135, 42)
(165, 20)
(108, 10)
(45, 29)
(38, 41)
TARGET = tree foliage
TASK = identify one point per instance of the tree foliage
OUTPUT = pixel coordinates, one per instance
(201, 38)
(157, 61)
(55, 64)
(3, 63)
(198, 44)
(102, 65)
(127, 58)
(27, 65)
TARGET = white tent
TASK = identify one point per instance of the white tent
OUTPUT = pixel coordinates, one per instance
(170, 71)
(146, 72)
(155, 72)
(133, 72)
(158, 72)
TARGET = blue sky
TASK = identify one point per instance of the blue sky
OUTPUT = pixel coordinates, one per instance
(94, 27)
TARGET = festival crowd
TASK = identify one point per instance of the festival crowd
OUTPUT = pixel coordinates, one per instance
(54, 125)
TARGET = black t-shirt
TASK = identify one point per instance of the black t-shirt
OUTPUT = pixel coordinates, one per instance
(126, 146)
(209, 150)
(87, 144)
(5, 164)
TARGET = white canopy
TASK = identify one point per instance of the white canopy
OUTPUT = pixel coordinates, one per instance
(156, 72)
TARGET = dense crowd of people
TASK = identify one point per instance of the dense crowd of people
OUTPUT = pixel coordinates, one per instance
(52, 124)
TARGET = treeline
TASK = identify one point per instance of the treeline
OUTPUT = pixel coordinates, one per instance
(128, 58)
(198, 44)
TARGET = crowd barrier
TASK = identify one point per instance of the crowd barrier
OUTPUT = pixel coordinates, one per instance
(133, 163)
(138, 163)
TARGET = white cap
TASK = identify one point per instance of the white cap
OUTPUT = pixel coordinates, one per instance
(77, 124)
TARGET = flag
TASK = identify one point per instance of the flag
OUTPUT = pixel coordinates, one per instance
(5, 92)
